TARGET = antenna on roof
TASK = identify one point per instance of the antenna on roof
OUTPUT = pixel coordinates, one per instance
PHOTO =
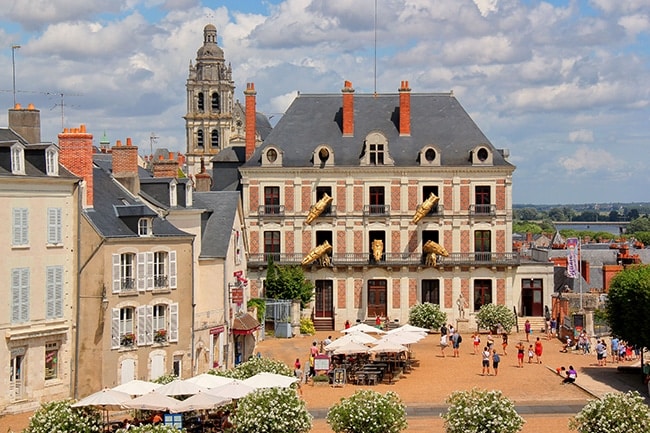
(61, 104)
(152, 140)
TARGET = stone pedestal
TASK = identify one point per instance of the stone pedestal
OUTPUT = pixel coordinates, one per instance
(462, 325)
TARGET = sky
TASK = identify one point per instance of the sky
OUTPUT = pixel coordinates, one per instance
(564, 85)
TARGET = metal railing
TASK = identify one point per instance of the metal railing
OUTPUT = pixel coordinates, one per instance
(160, 281)
(376, 210)
(394, 259)
(483, 210)
(271, 210)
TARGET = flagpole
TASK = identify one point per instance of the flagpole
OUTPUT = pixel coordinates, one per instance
(580, 270)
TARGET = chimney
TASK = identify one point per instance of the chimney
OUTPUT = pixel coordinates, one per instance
(404, 109)
(125, 165)
(76, 154)
(165, 167)
(348, 109)
(26, 123)
(203, 181)
(251, 127)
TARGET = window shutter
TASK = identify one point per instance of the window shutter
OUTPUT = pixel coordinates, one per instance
(54, 225)
(142, 268)
(142, 325)
(24, 295)
(149, 322)
(58, 291)
(149, 270)
(50, 292)
(173, 322)
(115, 328)
(172, 269)
(15, 295)
(20, 228)
(117, 284)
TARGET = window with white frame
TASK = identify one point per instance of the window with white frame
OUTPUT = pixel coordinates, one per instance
(160, 323)
(124, 272)
(188, 194)
(160, 277)
(52, 162)
(156, 324)
(51, 360)
(123, 327)
(20, 226)
(17, 159)
(54, 225)
(144, 271)
(173, 193)
(19, 295)
(54, 292)
(144, 227)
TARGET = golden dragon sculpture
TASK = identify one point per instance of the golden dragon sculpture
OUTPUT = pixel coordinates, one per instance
(425, 207)
(318, 208)
(433, 250)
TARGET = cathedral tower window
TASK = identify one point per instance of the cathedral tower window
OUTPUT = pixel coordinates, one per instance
(216, 102)
(199, 138)
(200, 102)
(214, 140)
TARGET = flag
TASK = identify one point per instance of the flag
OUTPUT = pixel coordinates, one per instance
(572, 245)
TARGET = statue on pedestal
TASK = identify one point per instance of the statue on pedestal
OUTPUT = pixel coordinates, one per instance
(462, 304)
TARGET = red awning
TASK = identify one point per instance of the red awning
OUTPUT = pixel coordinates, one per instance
(244, 324)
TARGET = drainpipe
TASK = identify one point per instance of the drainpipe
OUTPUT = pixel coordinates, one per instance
(75, 377)
(194, 363)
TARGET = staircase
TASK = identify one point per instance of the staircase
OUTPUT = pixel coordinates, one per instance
(537, 324)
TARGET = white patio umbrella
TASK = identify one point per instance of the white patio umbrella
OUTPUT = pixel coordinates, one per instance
(408, 328)
(235, 390)
(200, 401)
(106, 399)
(363, 328)
(402, 338)
(388, 347)
(152, 401)
(137, 387)
(354, 337)
(350, 348)
(270, 380)
(180, 387)
(207, 380)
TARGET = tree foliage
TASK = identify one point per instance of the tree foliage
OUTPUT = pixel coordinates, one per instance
(368, 411)
(427, 315)
(639, 225)
(254, 366)
(489, 316)
(613, 413)
(288, 282)
(628, 305)
(60, 416)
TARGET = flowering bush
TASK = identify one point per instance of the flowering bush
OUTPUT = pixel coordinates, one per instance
(307, 326)
(256, 365)
(368, 412)
(427, 315)
(479, 411)
(165, 379)
(491, 315)
(127, 339)
(60, 416)
(272, 410)
(613, 413)
(151, 428)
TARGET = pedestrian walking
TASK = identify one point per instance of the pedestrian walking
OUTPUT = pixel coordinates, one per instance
(495, 362)
(456, 339)
(531, 353)
(485, 361)
(443, 344)
(538, 350)
(520, 354)
(476, 339)
(504, 343)
(527, 329)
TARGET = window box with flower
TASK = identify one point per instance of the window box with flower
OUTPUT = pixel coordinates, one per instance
(160, 336)
(127, 339)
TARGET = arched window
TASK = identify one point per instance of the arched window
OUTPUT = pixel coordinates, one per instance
(215, 139)
(199, 138)
(201, 102)
(216, 102)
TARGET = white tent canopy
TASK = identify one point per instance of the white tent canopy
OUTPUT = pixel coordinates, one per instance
(408, 328)
(137, 387)
(354, 337)
(180, 387)
(363, 328)
(388, 347)
(200, 401)
(235, 390)
(207, 380)
(106, 399)
(270, 380)
(350, 348)
(152, 401)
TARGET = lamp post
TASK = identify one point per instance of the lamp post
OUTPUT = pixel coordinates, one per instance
(13, 68)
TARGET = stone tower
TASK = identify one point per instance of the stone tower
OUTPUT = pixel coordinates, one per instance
(212, 117)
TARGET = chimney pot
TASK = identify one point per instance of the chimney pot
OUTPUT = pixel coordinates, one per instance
(250, 115)
(17, 106)
(171, 156)
(348, 109)
(129, 142)
(404, 109)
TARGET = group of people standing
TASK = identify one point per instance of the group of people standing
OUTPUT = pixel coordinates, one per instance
(449, 335)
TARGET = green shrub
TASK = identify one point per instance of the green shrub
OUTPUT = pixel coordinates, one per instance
(613, 413)
(60, 416)
(490, 316)
(478, 411)
(150, 428)
(307, 326)
(427, 315)
(368, 412)
(165, 379)
(272, 410)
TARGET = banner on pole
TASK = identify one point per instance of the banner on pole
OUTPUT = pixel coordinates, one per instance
(572, 245)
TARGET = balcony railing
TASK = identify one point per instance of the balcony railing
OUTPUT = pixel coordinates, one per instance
(436, 211)
(376, 210)
(395, 259)
(128, 284)
(160, 281)
(488, 210)
(271, 210)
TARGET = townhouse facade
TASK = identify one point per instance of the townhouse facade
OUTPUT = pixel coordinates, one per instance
(39, 202)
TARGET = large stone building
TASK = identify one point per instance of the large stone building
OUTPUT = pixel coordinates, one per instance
(39, 202)
(380, 158)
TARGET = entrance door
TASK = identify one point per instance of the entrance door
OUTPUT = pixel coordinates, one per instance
(16, 377)
(377, 290)
(324, 305)
(531, 297)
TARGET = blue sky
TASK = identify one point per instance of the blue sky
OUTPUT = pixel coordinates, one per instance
(563, 85)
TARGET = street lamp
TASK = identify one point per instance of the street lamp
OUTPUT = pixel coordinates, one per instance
(13, 67)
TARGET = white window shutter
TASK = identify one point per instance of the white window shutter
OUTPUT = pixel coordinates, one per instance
(20, 228)
(172, 269)
(149, 322)
(58, 291)
(117, 283)
(142, 268)
(115, 328)
(15, 295)
(50, 293)
(24, 295)
(142, 325)
(173, 322)
(149, 270)
(54, 225)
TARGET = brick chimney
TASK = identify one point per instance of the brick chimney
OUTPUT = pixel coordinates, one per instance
(76, 154)
(251, 127)
(404, 109)
(203, 181)
(348, 109)
(125, 165)
(165, 167)
(26, 123)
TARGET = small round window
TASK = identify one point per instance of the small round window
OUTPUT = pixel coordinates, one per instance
(482, 154)
(323, 154)
(430, 155)
(271, 155)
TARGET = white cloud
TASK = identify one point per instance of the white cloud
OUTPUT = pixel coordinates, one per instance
(581, 136)
(635, 24)
(486, 6)
(591, 160)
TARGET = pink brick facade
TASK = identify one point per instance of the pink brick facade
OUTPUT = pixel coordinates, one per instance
(341, 300)
(396, 293)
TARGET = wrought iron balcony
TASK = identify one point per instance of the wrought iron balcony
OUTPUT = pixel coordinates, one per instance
(271, 210)
(483, 210)
(160, 281)
(436, 211)
(376, 210)
(481, 259)
(127, 285)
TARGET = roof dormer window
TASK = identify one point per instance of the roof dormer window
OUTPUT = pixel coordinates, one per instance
(188, 194)
(429, 155)
(271, 156)
(173, 193)
(52, 162)
(376, 150)
(17, 159)
(144, 227)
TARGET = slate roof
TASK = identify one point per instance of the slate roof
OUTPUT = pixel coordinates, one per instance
(221, 211)
(436, 119)
(111, 200)
(34, 157)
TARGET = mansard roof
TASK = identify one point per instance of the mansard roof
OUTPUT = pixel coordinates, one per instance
(221, 211)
